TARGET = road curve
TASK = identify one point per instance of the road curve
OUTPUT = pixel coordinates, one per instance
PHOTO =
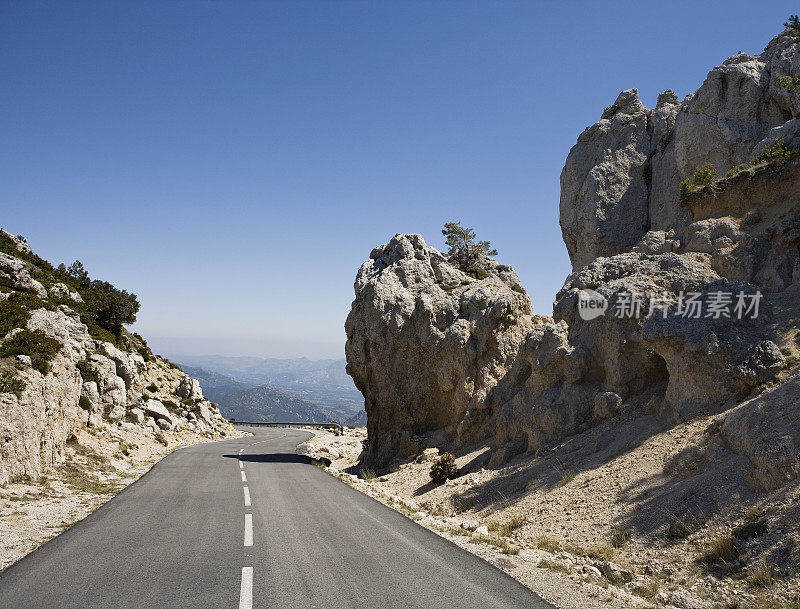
(246, 523)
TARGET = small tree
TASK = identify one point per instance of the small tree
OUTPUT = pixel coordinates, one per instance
(463, 247)
(793, 25)
(77, 271)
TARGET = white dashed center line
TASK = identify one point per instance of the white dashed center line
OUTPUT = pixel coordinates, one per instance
(246, 594)
(246, 497)
(248, 529)
(241, 465)
(244, 478)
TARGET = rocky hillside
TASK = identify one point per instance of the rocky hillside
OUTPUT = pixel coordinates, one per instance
(67, 363)
(683, 226)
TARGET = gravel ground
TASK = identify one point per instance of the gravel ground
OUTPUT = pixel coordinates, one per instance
(642, 501)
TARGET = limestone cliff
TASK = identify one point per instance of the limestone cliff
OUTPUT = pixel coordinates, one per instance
(444, 359)
(56, 375)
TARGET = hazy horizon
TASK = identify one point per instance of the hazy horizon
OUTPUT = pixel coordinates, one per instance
(234, 164)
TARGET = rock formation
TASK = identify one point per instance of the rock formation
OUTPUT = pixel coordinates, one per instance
(445, 359)
(621, 178)
(88, 382)
(426, 343)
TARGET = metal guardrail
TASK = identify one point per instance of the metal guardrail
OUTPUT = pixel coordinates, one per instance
(337, 427)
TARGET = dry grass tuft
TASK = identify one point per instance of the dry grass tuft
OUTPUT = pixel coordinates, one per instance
(763, 577)
(721, 551)
(368, 475)
(548, 544)
(506, 527)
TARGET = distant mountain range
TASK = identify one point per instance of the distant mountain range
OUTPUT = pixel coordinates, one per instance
(250, 388)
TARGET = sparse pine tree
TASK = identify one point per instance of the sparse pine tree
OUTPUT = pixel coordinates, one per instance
(77, 271)
(793, 25)
(463, 247)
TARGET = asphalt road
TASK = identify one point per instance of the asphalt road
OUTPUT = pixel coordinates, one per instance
(246, 523)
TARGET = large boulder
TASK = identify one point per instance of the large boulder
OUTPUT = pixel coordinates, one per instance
(157, 410)
(426, 343)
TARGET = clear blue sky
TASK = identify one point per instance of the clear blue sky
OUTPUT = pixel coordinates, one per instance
(233, 163)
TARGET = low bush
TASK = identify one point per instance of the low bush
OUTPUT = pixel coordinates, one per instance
(35, 344)
(790, 83)
(477, 272)
(11, 383)
(152, 388)
(686, 189)
(85, 403)
(443, 468)
(703, 176)
(12, 314)
(548, 544)
(368, 475)
(736, 170)
(88, 373)
(508, 526)
(775, 151)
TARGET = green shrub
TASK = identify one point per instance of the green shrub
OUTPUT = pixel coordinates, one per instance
(85, 403)
(477, 272)
(35, 344)
(777, 150)
(170, 404)
(790, 83)
(704, 175)
(686, 189)
(736, 170)
(443, 468)
(11, 383)
(87, 372)
(12, 315)
(152, 388)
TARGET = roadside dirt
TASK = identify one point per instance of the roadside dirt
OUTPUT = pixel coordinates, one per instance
(640, 515)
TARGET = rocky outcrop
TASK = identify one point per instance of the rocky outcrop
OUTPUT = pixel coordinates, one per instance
(89, 382)
(621, 179)
(696, 296)
(14, 275)
(426, 343)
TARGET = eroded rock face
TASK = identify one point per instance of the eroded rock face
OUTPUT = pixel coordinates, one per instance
(37, 421)
(621, 179)
(443, 359)
(426, 343)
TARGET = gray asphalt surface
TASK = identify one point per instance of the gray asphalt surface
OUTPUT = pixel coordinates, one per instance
(176, 538)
